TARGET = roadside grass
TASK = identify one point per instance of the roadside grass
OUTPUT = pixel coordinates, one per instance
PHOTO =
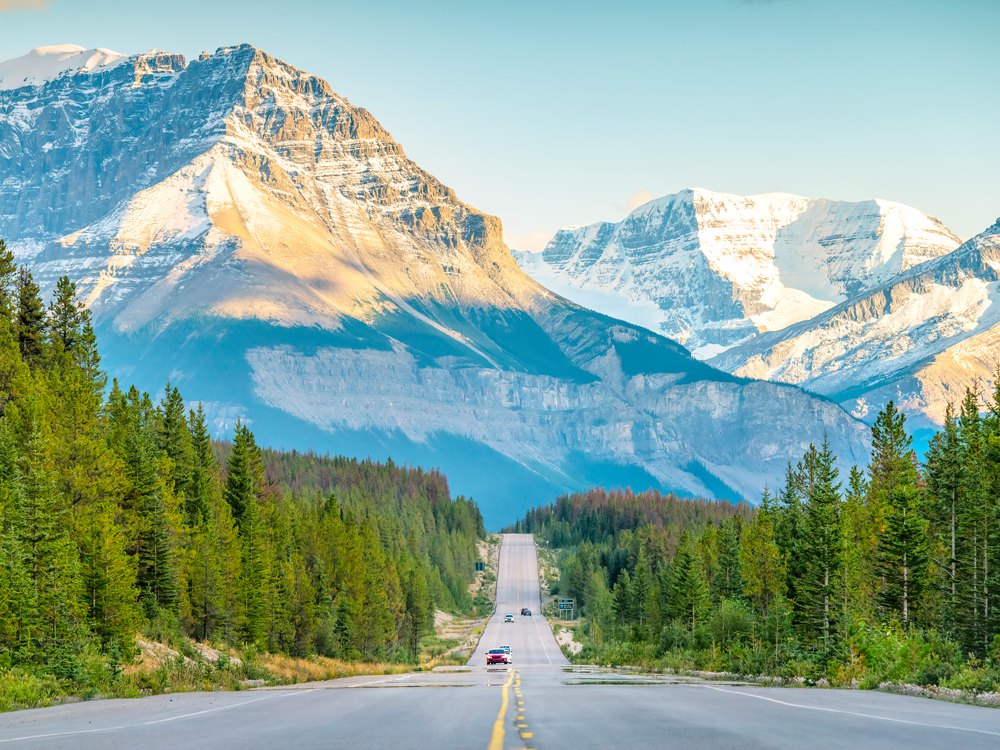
(292, 670)
(433, 647)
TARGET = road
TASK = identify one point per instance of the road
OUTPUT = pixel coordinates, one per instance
(540, 702)
(530, 638)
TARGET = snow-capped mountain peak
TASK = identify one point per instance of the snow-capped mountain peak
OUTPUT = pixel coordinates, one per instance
(713, 269)
(43, 64)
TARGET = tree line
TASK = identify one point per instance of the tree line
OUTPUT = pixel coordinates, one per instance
(829, 577)
(120, 515)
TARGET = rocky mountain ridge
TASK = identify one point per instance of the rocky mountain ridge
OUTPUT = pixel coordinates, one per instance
(240, 228)
(919, 338)
(711, 269)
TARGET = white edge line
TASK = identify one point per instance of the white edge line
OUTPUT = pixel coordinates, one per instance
(155, 721)
(852, 713)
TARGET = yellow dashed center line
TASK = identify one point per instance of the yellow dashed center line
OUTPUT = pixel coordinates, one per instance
(496, 741)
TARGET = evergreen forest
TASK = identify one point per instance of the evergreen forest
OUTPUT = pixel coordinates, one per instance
(890, 575)
(121, 516)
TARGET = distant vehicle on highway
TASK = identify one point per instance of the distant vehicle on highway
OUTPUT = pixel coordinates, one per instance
(497, 656)
(508, 618)
(507, 649)
(526, 611)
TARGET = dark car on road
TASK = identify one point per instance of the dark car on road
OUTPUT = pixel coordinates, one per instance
(526, 611)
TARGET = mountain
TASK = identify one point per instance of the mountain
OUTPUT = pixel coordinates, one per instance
(241, 229)
(919, 338)
(710, 270)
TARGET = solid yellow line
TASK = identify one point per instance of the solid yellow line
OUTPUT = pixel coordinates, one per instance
(496, 742)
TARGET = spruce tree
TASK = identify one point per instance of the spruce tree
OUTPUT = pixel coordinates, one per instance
(728, 580)
(245, 474)
(17, 594)
(762, 565)
(903, 553)
(976, 530)
(29, 318)
(173, 437)
(822, 546)
(641, 587)
(944, 475)
(51, 558)
(689, 597)
(991, 433)
(789, 524)
(66, 316)
(203, 467)
(109, 578)
(621, 602)
(857, 585)
(254, 578)
(8, 276)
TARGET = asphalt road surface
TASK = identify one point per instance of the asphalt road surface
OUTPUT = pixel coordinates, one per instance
(539, 702)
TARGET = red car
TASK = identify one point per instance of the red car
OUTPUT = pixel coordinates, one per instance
(497, 656)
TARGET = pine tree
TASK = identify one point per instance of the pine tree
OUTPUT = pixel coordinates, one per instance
(689, 595)
(708, 550)
(157, 577)
(17, 595)
(762, 565)
(944, 474)
(789, 524)
(903, 553)
(641, 587)
(976, 530)
(109, 578)
(857, 589)
(991, 432)
(66, 316)
(822, 546)
(203, 467)
(8, 274)
(621, 603)
(145, 501)
(728, 580)
(245, 474)
(87, 470)
(51, 559)
(29, 319)
(255, 577)
(174, 438)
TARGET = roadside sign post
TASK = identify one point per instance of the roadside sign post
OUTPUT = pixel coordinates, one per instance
(566, 606)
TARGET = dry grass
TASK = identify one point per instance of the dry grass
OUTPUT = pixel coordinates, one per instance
(322, 668)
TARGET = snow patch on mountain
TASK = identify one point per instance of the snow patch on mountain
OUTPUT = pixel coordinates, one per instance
(44, 64)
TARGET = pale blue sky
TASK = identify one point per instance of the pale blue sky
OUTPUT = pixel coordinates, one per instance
(555, 113)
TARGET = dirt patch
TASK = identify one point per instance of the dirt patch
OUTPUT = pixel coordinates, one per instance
(564, 637)
(152, 655)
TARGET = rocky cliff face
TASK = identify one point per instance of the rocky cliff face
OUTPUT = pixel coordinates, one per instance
(243, 230)
(710, 270)
(919, 338)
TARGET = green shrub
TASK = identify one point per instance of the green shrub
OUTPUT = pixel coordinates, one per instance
(20, 689)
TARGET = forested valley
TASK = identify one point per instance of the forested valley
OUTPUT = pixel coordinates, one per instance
(889, 576)
(120, 516)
